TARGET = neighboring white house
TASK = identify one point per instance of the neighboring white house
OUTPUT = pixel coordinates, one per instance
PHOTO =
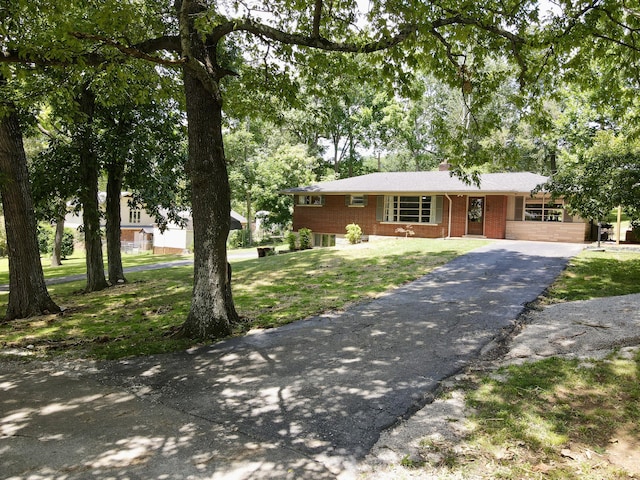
(136, 225)
(140, 232)
(177, 239)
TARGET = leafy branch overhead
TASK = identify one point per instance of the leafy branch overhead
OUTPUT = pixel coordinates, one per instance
(320, 26)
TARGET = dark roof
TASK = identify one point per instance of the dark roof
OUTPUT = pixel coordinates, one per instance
(423, 182)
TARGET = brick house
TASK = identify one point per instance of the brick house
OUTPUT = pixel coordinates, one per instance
(435, 205)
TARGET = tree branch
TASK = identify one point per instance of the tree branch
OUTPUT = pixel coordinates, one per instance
(142, 50)
(249, 26)
(317, 14)
(616, 41)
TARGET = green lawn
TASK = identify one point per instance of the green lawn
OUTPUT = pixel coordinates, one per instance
(553, 419)
(139, 317)
(594, 274)
(75, 265)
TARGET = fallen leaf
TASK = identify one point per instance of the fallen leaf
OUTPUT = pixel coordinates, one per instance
(565, 452)
(542, 468)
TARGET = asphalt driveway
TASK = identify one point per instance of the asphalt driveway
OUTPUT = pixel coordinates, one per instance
(306, 400)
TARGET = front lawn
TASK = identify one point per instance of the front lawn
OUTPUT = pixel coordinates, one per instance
(594, 274)
(75, 264)
(138, 318)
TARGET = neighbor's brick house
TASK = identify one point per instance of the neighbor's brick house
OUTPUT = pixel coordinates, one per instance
(436, 205)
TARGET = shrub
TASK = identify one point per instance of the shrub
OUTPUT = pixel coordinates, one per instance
(354, 233)
(292, 240)
(45, 238)
(238, 239)
(67, 245)
(304, 236)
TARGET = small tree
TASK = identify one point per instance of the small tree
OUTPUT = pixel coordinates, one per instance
(354, 233)
(46, 242)
(407, 230)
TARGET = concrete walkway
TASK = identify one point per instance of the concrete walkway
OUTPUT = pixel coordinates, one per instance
(306, 400)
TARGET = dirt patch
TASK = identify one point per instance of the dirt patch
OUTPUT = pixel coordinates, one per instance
(624, 450)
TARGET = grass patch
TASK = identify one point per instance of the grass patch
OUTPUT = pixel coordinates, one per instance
(138, 318)
(557, 419)
(594, 274)
(75, 264)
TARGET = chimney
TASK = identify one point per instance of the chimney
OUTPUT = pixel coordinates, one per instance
(444, 167)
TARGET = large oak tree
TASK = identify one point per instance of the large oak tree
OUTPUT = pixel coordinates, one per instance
(27, 290)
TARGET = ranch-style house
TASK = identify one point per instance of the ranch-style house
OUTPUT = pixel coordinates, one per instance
(435, 204)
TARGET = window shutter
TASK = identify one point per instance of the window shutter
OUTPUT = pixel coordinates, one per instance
(296, 199)
(438, 218)
(322, 198)
(347, 200)
(365, 200)
(379, 208)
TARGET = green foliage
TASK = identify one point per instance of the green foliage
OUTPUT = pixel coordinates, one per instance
(262, 161)
(67, 244)
(305, 238)
(292, 241)
(354, 233)
(46, 239)
(3, 238)
(239, 239)
(603, 176)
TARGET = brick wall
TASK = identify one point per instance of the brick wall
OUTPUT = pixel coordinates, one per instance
(334, 216)
(575, 232)
(459, 214)
(128, 235)
(495, 216)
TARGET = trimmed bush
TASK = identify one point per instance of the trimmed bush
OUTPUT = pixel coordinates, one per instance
(292, 241)
(305, 239)
(354, 233)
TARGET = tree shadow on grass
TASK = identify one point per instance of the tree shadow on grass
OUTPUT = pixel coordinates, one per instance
(564, 414)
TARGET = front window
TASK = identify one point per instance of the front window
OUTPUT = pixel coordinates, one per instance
(324, 240)
(310, 200)
(357, 200)
(410, 209)
(134, 216)
(536, 210)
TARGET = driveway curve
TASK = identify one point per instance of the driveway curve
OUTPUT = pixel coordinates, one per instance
(309, 399)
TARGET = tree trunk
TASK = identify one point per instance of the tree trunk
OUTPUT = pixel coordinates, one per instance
(56, 257)
(212, 310)
(115, 175)
(28, 293)
(89, 170)
(249, 215)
